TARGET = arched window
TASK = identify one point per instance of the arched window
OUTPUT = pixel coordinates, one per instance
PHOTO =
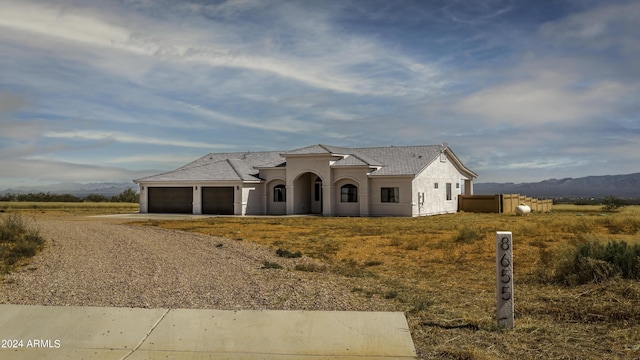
(279, 193)
(349, 193)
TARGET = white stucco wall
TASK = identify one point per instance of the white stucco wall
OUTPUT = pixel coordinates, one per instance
(252, 203)
(144, 199)
(440, 171)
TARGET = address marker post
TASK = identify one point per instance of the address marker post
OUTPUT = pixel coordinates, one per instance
(504, 278)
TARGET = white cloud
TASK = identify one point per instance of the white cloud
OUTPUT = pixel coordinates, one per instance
(609, 27)
(543, 100)
(95, 135)
(129, 77)
(581, 68)
(165, 159)
(283, 123)
(316, 54)
(62, 23)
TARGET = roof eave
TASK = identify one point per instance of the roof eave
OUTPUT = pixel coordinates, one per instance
(459, 164)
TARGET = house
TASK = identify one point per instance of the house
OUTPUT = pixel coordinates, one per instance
(317, 179)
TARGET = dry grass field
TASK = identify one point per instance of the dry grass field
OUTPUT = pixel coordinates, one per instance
(440, 271)
(69, 208)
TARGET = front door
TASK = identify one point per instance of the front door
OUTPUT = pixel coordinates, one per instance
(316, 204)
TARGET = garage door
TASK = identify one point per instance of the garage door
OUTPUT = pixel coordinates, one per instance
(178, 200)
(217, 200)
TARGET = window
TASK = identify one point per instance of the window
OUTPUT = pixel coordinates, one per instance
(448, 191)
(349, 193)
(390, 194)
(279, 193)
(457, 185)
(435, 185)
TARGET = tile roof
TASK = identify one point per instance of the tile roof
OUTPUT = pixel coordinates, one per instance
(401, 160)
(221, 167)
(243, 166)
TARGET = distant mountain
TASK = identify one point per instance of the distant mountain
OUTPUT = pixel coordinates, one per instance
(622, 186)
(76, 189)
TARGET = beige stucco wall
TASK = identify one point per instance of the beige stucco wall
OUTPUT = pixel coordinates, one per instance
(402, 208)
(346, 208)
(358, 177)
(299, 186)
(272, 177)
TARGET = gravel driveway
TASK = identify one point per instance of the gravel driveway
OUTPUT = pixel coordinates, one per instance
(100, 262)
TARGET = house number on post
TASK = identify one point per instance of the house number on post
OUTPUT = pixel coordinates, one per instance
(504, 278)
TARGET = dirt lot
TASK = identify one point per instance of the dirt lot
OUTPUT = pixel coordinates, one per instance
(105, 262)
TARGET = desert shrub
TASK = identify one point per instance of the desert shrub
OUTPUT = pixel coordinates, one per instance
(612, 203)
(467, 234)
(391, 294)
(18, 240)
(373, 263)
(592, 261)
(288, 254)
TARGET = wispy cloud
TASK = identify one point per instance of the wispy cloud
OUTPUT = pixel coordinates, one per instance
(119, 82)
(84, 135)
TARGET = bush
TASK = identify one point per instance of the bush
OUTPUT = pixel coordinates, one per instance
(594, 261)
(288, 254)
(129, 195)
(468, 234)
(17, 241)
(612, 203)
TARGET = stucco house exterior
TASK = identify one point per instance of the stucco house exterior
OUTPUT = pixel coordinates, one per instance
(317, 179)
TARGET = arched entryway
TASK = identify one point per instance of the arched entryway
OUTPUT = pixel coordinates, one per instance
(307, 194)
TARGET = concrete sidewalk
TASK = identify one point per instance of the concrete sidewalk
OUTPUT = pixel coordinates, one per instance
(53, 332)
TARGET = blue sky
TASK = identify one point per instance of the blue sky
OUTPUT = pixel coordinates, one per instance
(116, 90)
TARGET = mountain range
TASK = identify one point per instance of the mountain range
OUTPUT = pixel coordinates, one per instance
(622, 186)
(76, 189)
